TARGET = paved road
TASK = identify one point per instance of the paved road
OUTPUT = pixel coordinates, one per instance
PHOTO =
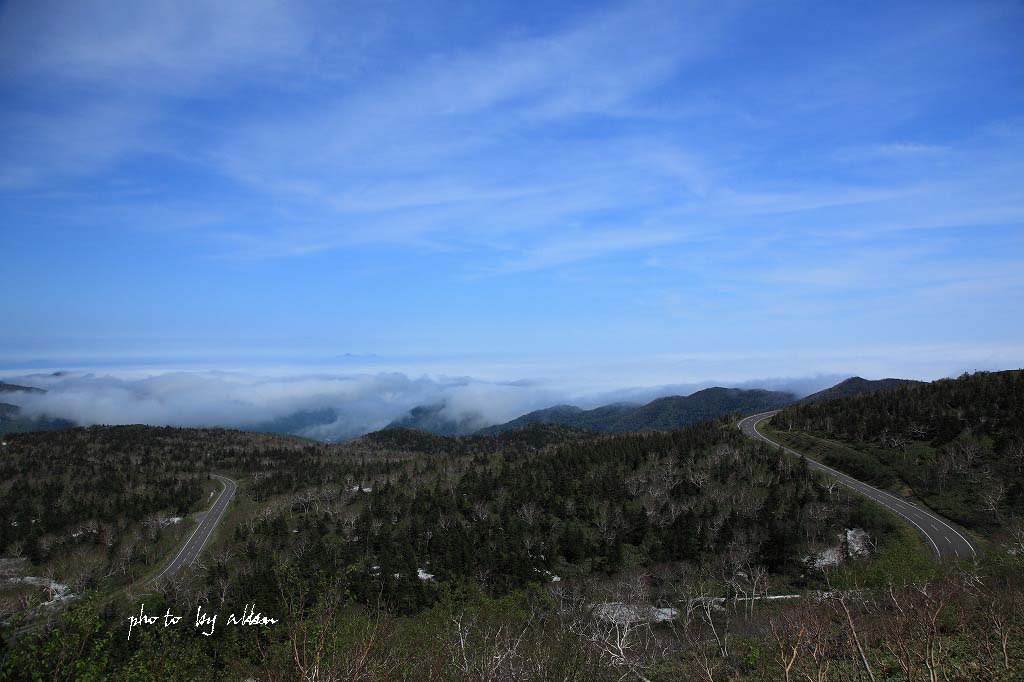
(194, 545)
(946, 541)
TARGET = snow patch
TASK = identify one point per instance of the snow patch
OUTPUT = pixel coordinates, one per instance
(554, 578)
(827, 558)
(59, 592)
(620, 613)
(858, 543)
(854, 543)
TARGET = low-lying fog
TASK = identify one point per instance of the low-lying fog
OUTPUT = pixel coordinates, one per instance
(342, 405)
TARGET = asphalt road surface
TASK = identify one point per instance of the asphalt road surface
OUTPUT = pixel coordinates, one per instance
(946, 541)
(194, 545)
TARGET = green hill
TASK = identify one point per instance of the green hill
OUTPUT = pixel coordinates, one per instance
(855, 386)
(432, 418)
(663, 414)
(958, 444)
(13, 421)
(15, 388)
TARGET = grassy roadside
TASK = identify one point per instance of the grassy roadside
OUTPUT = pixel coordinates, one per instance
(900, 558)
(883, 469)
(859, 464)
(901, 555)
(170, 543)
(241, 507)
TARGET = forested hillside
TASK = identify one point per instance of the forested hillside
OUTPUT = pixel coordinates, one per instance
(97, 507)
(432, 418)
(516, 507)
(17, 388)
(663, 414)
(855, 386)
(957, 443)
(13, 421)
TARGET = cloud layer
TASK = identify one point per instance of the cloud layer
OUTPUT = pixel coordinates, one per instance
(359, 403)
(362, 402)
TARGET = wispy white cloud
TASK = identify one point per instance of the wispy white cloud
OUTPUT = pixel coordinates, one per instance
(159, 47)
(41, 150)
(428, 153)
(570, 248)
(441, 139)
(122, 69)
(892, 151)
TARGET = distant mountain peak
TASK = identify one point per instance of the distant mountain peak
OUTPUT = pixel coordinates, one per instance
(661, 414)
(854, 386)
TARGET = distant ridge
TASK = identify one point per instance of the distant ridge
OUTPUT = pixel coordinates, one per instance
(431, 418)
(855, 386)
(663, 414)
(530, 437)
(12, 420)
(15, 388)
(566, 415)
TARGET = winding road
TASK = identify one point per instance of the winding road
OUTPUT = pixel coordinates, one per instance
(192, 548)
(946, 541)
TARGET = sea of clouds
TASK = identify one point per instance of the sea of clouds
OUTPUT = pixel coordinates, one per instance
(354, 404)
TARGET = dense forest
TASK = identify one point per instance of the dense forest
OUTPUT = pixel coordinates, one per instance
(510, 518)
(958, 444)
(508, 510)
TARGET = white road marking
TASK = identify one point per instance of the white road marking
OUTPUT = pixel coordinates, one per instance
(189, 549)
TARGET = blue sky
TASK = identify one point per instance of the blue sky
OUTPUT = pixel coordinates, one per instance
(631, 193)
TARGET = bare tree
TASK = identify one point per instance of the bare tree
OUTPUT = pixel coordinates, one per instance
(528, 513)
(789, 639)
(702, 601)
(992, 495)
(1015, 453)
(634, 483)
(618, 628)
(485, 652)
(840, 601)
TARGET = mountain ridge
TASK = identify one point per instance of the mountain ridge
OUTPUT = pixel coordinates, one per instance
(16, 388)
(855, 386)
(661, 414)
